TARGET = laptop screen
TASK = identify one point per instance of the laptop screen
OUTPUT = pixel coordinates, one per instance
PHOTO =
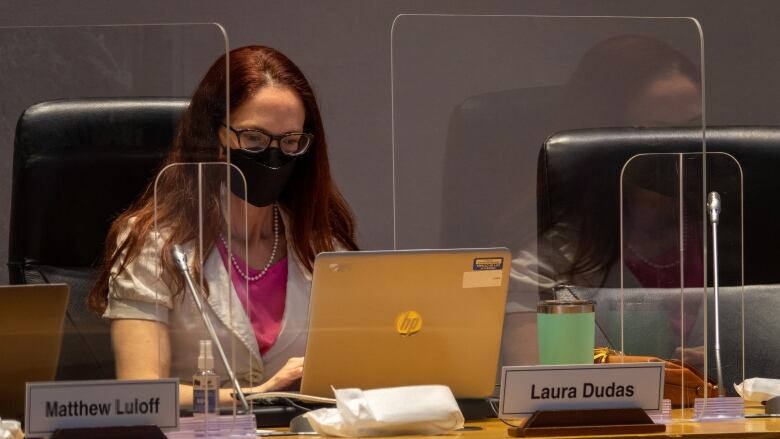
(393, 318)
(31, 322)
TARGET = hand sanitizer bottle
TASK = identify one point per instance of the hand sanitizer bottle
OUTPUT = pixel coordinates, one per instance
(205, 383)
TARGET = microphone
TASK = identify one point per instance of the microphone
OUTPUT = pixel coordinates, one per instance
(180, 258)
(713, 205)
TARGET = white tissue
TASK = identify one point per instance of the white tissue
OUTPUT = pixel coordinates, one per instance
(758, 389)
(425, 410)
(11, 430)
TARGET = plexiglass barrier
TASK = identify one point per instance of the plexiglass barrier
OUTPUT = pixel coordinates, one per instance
(664, 227)
(93, 112)
(201, 225)
(513, 131)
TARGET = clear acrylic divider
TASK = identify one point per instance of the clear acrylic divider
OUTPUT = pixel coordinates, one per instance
(101, 108)
(667, 235)
(199, 208)
(513, 131)
(662, 243)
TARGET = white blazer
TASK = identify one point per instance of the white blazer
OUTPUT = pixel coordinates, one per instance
(141, 292)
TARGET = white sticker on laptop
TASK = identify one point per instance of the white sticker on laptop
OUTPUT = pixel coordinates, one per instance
(482, 279)
(487, 272)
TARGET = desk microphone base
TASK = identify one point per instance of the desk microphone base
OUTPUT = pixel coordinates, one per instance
(586, 423)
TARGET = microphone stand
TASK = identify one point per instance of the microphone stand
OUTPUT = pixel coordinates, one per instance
(181, 262)
(713, 204)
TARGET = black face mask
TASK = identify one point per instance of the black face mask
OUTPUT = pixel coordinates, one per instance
(266, 173)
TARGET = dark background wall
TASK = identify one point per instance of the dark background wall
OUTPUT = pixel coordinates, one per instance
(344, 48)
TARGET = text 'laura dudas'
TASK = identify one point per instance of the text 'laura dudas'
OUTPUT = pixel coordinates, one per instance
(588, 390)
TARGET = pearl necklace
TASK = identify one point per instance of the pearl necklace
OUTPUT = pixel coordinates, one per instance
(270, 259)
(652, 264)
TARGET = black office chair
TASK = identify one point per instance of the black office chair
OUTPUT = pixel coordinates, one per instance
(78, 163)
(572, 161)
(569, 159)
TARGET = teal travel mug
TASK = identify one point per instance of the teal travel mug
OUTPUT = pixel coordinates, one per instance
(566, 331)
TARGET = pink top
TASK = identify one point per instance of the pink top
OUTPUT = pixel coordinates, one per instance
(664, 270)
(266, 297)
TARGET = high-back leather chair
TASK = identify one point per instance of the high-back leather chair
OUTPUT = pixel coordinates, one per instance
(78, 163)
(572, 163)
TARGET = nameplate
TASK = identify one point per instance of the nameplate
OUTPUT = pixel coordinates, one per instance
(526, 389)
(103, 403)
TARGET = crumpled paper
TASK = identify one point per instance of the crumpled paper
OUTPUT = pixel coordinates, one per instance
(11, 430)
(425, 410)
(758, 389)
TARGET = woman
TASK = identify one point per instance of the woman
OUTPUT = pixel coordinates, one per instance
(625, 81)
(293, 211)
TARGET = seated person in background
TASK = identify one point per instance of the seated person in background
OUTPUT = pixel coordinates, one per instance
(293, 210)
(624, 81)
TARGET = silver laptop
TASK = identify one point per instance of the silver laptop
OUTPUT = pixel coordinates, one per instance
(31, 321)
(411, 317)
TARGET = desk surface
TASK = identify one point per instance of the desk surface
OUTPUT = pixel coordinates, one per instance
(748, 428)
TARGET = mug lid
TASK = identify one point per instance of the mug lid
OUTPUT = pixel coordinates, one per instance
(565, 306)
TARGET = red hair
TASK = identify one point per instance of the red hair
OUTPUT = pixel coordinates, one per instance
(319, 215)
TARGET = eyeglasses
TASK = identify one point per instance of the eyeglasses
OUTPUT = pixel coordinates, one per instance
(257, 140)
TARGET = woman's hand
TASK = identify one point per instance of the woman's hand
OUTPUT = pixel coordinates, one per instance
(289, 373)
